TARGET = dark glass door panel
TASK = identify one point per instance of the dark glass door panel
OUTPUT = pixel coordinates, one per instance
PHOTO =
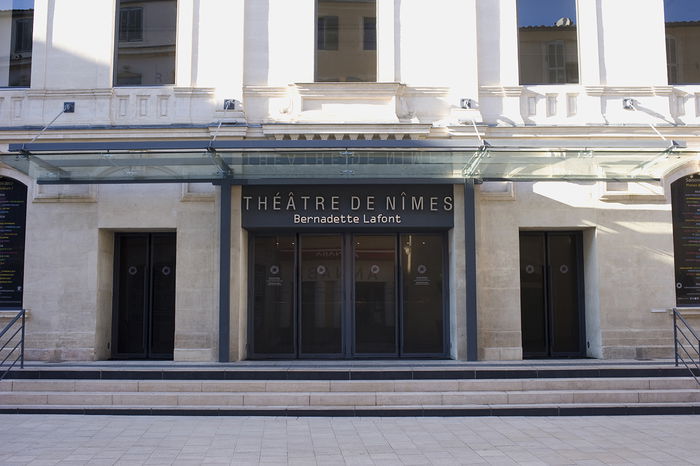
(321, 279)
(564, 294)
(533, 302)
(550, 294)
(422, 267)
(132, 295)
(144, 295)
(375, 294)
(162, 325)
(273, 301)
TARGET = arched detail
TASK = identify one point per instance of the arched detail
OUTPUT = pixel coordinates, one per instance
(678, 172)
(17, 175)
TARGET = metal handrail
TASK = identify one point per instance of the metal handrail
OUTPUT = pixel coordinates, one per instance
(18, 347)
(692, 357)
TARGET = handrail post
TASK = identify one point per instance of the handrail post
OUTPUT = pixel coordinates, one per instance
(21, 354)
(675, 335)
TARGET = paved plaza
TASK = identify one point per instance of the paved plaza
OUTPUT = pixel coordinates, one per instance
(97, 440)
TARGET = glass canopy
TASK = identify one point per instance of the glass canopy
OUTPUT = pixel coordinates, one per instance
(260, 166)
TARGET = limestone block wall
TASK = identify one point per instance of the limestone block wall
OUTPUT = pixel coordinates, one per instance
(628, 266)
(69, 266)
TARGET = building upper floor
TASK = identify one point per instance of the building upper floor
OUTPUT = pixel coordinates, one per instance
(443, 63)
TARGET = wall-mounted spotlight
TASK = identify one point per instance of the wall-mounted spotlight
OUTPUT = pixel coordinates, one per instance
(468, 104)
(629, 104)
(68, 107)
(230, 104)
(678, 144)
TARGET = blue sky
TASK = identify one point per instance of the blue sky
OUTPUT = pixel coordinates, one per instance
(682, 10)
(16, 4)
(546, 12)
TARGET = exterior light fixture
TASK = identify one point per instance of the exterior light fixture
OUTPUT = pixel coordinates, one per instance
(468, 104)
(629, 104)
(230, 104)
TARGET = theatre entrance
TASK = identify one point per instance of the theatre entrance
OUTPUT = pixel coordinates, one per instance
(347, 295)
(551, 294)
(143, 325)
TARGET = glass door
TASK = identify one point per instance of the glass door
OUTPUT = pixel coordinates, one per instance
(423, 291)
(375, 295)
(348, 295)
(274, 295)
(321, 281)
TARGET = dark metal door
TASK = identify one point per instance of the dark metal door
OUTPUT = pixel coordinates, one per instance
(144, 296)
(551, 294)
(347, 295)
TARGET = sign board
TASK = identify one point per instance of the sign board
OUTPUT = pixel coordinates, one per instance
(13, 212)
(685, 195)
(348, 207)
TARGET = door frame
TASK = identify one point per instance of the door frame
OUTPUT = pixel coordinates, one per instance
(549, 312)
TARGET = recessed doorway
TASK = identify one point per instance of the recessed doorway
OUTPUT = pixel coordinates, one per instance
(551, 294)
(143, 324)
(346, 295)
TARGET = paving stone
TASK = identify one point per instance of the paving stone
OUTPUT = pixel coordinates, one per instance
(59, 439)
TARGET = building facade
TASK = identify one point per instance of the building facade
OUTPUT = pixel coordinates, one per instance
(222, 180)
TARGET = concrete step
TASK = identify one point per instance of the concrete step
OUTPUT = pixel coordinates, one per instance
(573, 409)
(340, 372)
(509, 385)
(352, 391)
(354, 399)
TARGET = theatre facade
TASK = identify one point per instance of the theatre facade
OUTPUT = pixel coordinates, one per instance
(334, 190)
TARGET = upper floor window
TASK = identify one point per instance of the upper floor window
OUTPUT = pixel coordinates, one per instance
(547, 42)
(346, 40)
(369, 41)
(145, 50)
(327, 33)
(16, 31)
(682, 41)
(130, 24)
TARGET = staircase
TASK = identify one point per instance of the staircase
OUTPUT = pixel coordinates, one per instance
(449, 389)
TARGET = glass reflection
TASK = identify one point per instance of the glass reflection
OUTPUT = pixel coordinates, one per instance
(346, 40)
(547, 42)
(422, 280)
(16, 30)
(682, 41)
(146, 42)
(375, 294)
(321, 294)
(273, 295)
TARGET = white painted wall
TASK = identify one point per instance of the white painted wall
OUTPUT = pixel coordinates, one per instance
(633, 41)
(80, 50)
(442, 51)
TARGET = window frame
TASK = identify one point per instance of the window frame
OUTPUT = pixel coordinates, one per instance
(126, 12)
(369, 36)
(324, 31)
(19, 46)
(117, 42)
(545, 44)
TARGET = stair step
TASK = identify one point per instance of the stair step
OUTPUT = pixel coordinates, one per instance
(609, 409)
(287, 373)
(52, 385)
(350, 398)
